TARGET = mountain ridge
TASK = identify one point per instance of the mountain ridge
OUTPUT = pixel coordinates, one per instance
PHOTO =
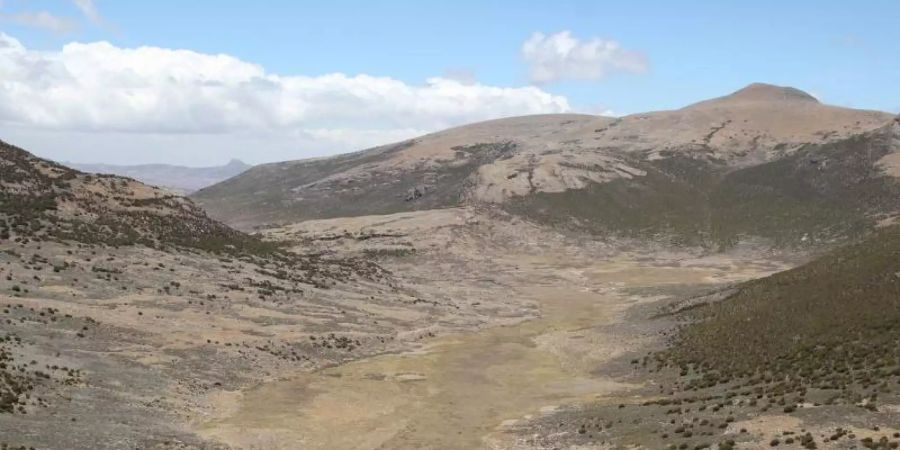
(42, 199)
(180, 179)
(514, 163)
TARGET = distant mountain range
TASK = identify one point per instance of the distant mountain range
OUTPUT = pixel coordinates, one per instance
(180, 179)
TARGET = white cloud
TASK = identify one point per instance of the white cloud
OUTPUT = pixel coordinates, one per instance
(89, 9)
(41, 19)
(562, 56)
(96, 88)
(599, 110)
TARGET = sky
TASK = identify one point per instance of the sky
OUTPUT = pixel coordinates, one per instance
(201, 82)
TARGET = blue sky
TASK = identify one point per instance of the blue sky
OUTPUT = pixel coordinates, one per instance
(843, 53)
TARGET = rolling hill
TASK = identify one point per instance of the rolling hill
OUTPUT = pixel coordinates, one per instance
(113, 292)
(41, 199)
(691, 175)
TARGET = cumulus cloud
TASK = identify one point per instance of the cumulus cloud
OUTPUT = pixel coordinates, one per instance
(562, 56)
(99, 87)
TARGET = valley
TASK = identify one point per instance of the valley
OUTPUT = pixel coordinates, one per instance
(462, 390)
(725, 275)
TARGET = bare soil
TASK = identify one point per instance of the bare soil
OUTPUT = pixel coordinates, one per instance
(465, 390)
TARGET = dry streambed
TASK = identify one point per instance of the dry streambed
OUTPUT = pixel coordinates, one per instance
(463, 391)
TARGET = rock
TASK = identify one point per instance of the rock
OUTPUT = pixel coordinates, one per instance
(415, 193)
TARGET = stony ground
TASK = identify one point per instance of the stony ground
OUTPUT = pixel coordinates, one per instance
(598, 306)
(106, 347)
(474, 330)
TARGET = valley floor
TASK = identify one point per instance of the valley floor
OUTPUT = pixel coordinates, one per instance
(476, 389)
(490, 332)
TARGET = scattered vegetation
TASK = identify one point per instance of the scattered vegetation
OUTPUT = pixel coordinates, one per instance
(828, 323)
(823, 335)
(818, 195)
(40, 199)
(272, 193)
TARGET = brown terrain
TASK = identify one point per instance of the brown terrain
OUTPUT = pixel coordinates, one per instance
(540, 282)
(504, 160)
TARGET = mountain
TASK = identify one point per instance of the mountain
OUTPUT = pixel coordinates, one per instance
(811, 193)
(179, 179)
(690, 175)
(41, 199)
(120, 299)
(453, 255)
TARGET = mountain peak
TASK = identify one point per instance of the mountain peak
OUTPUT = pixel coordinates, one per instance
(762, 93)
(770, 92)
(236, 163)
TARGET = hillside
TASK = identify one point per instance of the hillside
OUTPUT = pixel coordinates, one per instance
(433, 171)
(180, 179)
(803, 358)
(842, 306)
(40, 199)
(127, 312)
(687, 175)
(814, 349)
(817, 193)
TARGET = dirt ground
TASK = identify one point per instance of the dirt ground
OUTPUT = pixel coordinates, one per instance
(466, 389)
(483, 329)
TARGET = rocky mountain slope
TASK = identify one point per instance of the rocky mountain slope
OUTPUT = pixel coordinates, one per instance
(179, 179)
(814, 194)
(125, 311)
(41, 199)
(804, 358)
(686, 174)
